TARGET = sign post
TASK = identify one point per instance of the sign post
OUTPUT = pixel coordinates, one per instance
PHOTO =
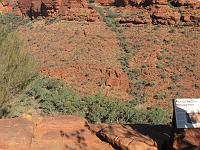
(187, 113)
(186, 117)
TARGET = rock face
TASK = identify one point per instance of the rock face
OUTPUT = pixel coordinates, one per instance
(188, 3)
(140, 11)
(72, 9)
(156, 11)
(187, 139)
(163, 14)
(105, 2)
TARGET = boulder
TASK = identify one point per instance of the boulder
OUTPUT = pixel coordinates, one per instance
(190, 16)
(192, 136)
(71, 9)
(125, 138)
(163, 14)
(186, 139)
(117, 79)
(189, 3)
(139, 17)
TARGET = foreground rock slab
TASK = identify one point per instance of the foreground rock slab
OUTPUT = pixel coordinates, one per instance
(64, 133)
(74, 133)
(15, 134)
(52, 133)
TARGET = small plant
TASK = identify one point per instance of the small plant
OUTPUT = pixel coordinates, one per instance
(160, 57)
(163, 75)
(52, 20)
(175, 77)
(90, 1)
(159, 65)
(125, 61)
(13, 21)
(134, 73)
(197, 85)
(172, 30)
(160, 95)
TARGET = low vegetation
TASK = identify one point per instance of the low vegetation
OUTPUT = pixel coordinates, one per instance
(55, 99)
(17, 68)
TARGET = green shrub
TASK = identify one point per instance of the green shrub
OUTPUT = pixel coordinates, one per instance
(13, 21)
(17, 68)
(160, 95)
(197, 85)
(134, 73)
(52, 20)
(163, 75)
(175, 77)
(108, 17)
(91, 1)
(159, 65)
(54, 99)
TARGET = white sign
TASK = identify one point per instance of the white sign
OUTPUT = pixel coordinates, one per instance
(187, 113)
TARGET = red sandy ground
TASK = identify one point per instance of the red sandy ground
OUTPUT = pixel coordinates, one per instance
(85, 54)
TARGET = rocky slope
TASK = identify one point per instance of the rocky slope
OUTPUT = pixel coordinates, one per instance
(84, 55)
(71, 132)
(71, 10)
(162, 60)
(133, 11)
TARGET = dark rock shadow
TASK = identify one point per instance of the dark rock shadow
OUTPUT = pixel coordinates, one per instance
(161, 134)
(43, 10)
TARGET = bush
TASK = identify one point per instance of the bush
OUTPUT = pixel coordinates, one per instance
(17, 68)
(91, 1)
(54, 99)
(160, 95)
(13, 21)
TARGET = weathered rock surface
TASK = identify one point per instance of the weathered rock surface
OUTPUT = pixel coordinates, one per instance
(187, 139)
(163, 14)
(52, 133)
(72, 9)
(117, 79)
(188, 3)
(65, 132)
(157, 12)
(16, 134)
(71, 132)
(150, 11)
(105, 2)
(127, 139)
(135, 16)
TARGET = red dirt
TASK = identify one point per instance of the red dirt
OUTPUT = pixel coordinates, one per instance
(174, 55)
(85, 55)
